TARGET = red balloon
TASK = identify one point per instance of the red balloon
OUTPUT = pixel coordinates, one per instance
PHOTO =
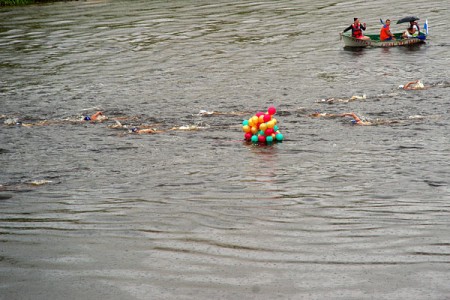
(271, 110)
(262, 138)
(259, 114)
(269, 131)
(267, 118)
(248, 136)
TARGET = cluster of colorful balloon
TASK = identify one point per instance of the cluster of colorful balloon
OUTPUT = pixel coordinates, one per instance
(262, 128)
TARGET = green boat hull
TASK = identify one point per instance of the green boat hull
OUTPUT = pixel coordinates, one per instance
(374, 41)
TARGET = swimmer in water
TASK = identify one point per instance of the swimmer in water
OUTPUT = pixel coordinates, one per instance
(97, 117)
(355, 119)
(351, 99)
(358, 121)
(318, 114)
(142, 129)
(137, 130)
(414, 85)
(216, 113)
(188, 128)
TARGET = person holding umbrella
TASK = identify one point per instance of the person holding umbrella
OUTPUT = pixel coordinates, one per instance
(413, 30)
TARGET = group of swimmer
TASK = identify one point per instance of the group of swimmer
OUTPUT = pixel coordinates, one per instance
(357, 29)
(412, 85)
(118, 122)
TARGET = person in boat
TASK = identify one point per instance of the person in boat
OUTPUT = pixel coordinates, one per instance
(411, 31)
(414, 25)
(357, 30)
(385, 32)
(408, 33)
(414, 85)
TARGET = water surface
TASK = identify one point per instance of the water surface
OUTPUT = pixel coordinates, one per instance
(334, 212)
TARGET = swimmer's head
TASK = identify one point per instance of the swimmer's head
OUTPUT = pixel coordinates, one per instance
(87, 118)
(134, 129)
(401, 86)
(354, 122)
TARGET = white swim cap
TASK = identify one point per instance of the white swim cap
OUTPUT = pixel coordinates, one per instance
(401, 86)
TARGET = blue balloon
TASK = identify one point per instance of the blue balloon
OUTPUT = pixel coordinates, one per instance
(245, 122)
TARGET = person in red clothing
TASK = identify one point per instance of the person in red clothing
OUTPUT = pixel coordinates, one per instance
(385, 32)
(357, 30)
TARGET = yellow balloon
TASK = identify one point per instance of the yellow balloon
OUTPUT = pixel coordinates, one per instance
(246, 128)
(274, 121)
(250, 122)
(273, 135)
(263, 126)
(254, 130)
(255, 120)
(271, 124)
(261, 119)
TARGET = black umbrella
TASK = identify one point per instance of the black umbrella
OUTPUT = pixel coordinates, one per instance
(407, 19)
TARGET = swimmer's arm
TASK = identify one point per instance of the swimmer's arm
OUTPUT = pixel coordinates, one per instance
(407, 86)
(95, 116)
(353, 115)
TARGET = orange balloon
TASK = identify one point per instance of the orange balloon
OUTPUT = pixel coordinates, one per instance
(263, 126)
(246, 128)
(255, 120)
(261, 119)
(250, 122)
(271, 124)
(254, 129)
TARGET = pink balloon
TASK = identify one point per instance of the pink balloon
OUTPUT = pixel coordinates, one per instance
(271, 110)
(267, 118)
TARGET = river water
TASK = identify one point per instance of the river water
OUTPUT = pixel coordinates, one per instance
(334, 212)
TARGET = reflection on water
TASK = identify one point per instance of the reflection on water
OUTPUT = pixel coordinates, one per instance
(89, 210)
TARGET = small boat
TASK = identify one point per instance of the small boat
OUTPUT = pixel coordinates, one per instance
(374, 41)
